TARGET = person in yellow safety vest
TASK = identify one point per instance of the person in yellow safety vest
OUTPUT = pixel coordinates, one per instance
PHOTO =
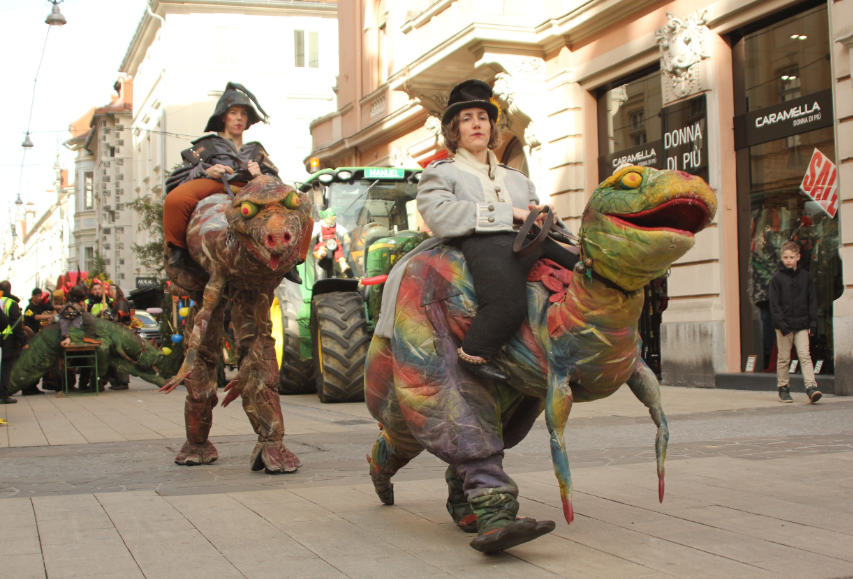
(96, 303)
(14, 339)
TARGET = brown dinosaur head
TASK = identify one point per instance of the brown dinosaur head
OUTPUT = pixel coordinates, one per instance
(269, 218)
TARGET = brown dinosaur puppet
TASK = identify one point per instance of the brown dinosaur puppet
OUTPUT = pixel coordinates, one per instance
(242, 247)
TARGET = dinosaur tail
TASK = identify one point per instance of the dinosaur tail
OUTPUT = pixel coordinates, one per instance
(558, 405)
(37, 360)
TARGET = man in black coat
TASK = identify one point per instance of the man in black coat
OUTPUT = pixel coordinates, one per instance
(793, 305)
(14, 339)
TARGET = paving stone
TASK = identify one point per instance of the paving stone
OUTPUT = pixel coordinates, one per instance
(753, 490)
(22, 566)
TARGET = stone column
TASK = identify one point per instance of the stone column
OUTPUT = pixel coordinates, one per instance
(841, 30)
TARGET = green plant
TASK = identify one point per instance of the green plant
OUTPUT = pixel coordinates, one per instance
(150, 255)
(99, 268)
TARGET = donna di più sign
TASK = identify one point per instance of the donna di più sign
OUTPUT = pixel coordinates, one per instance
(683, 146)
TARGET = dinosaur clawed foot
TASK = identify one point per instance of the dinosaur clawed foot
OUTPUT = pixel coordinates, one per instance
(174, 382)
(274, 458)
(233, 392)
(193, 454)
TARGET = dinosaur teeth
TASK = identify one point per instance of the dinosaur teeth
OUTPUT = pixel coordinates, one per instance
(274, 259)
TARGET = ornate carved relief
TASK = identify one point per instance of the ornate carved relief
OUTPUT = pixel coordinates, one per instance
(522, 65)
(435, 103)
(402, 159)
(433, 125)
(682, 50)
(377, 107)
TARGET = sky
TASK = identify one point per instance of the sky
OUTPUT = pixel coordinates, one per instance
(80, 66)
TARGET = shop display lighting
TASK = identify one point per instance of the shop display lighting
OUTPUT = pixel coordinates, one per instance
(798, 37)
(788, 77)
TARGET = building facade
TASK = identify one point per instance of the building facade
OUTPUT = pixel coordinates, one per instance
(741, 93)
(285, 52)
(42, 237)
(104, 167)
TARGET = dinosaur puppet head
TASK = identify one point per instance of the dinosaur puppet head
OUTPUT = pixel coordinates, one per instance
(270, 218)
(640, 220)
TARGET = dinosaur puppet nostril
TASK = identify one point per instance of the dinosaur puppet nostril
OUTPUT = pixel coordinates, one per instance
(286, 237)
(270, 240)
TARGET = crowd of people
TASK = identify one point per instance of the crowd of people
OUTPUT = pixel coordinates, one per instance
(76, 307)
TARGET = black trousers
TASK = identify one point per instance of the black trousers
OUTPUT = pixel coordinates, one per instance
(6, 375)
(500, 284)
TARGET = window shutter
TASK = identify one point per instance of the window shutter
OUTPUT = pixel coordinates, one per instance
(299, 48)
(314, 49)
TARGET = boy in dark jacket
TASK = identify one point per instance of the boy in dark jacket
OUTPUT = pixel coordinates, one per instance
(793, 304)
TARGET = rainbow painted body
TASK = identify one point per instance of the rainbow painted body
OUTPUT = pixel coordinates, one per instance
(580, 342)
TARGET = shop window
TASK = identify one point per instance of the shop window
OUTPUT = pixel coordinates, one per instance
(628, 119)
(789, 83)
(786, 60)
(782, 62)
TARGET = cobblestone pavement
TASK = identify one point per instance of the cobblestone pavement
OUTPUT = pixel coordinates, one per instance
(754, 489)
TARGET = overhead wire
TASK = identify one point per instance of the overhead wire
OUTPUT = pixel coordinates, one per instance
(32, 105)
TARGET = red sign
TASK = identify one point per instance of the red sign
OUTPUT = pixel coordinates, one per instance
(821, 183)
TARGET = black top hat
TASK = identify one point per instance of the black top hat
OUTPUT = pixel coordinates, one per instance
(470, 94)
(235, 94)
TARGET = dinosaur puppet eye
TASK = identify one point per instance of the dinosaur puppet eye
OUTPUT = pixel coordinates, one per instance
(292, 201)
(248, 209)
(632, 180)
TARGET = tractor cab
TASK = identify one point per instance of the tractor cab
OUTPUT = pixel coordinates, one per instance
(366, 219)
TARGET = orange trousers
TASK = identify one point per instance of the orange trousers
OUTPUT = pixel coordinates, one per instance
(180, 204)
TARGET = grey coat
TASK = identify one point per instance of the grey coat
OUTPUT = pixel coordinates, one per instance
(459, 197)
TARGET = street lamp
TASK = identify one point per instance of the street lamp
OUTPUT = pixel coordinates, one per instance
(55, 18)
(27, 144)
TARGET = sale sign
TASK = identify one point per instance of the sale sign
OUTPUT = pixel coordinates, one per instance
(821, 183)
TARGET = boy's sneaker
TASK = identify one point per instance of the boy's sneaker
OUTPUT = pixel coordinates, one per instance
(785, 394)
(813, 394)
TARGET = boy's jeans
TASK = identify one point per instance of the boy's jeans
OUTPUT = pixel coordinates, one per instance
(801, 341)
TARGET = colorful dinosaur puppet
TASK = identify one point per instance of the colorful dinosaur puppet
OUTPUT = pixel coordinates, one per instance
(120, 349)
(580, 343)
(243, 246)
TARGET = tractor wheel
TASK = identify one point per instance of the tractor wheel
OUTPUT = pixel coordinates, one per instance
(340, 340)
(296, 374)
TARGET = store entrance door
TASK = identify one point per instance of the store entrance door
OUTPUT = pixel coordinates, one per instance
(783, 113)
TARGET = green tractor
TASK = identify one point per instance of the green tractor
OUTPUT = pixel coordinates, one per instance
(366, 219)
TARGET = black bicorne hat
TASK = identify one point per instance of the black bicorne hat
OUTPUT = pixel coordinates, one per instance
(469, 94)
(235, 94)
